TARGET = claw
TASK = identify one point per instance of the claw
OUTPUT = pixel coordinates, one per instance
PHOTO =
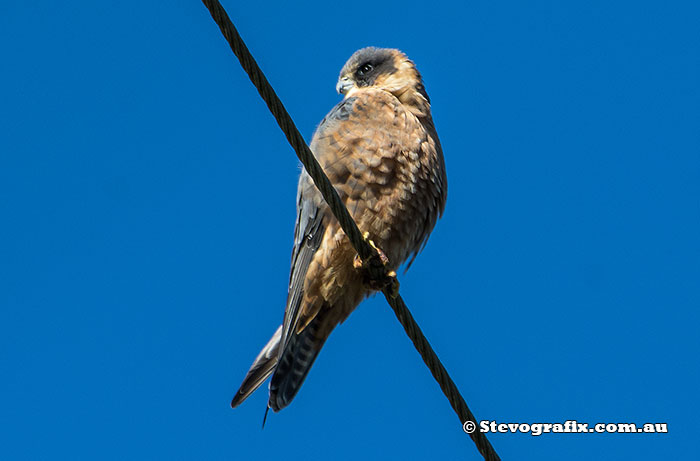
(357, 262)
(387, 280)
(382, 256)
(393, 284)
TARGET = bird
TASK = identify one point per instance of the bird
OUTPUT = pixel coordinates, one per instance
(380, 150)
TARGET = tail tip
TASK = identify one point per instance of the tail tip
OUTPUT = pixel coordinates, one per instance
(237, 399)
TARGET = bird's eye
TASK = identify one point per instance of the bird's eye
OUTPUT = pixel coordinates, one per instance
(365, 69)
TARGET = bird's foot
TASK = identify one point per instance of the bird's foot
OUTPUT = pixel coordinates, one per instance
(357, 263)
(374, 273)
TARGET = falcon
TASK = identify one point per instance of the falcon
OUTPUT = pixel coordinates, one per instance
(380, 150)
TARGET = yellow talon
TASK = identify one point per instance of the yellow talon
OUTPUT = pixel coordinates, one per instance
(393, 285)
(388, 280)
(368, 240)
(357, 262)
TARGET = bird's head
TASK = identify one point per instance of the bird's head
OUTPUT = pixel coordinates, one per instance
(384, 69)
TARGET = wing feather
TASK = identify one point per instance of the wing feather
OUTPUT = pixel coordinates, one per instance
(312, 219)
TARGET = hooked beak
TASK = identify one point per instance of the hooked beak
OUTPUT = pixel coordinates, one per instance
(344, 85)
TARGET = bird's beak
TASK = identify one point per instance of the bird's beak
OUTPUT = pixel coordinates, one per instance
(344, 84)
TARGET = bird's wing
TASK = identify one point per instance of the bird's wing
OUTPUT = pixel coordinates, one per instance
(308, 233)
(313, 216)
(263, 365)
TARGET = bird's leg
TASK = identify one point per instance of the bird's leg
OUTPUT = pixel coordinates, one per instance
(374, 272)
(357, 263)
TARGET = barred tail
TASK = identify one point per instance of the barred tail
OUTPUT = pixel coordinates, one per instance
(295, 363)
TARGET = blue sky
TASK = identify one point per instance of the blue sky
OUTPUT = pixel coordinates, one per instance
(147, 199)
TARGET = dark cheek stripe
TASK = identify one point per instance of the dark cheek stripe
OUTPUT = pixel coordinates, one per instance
(385, 67)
